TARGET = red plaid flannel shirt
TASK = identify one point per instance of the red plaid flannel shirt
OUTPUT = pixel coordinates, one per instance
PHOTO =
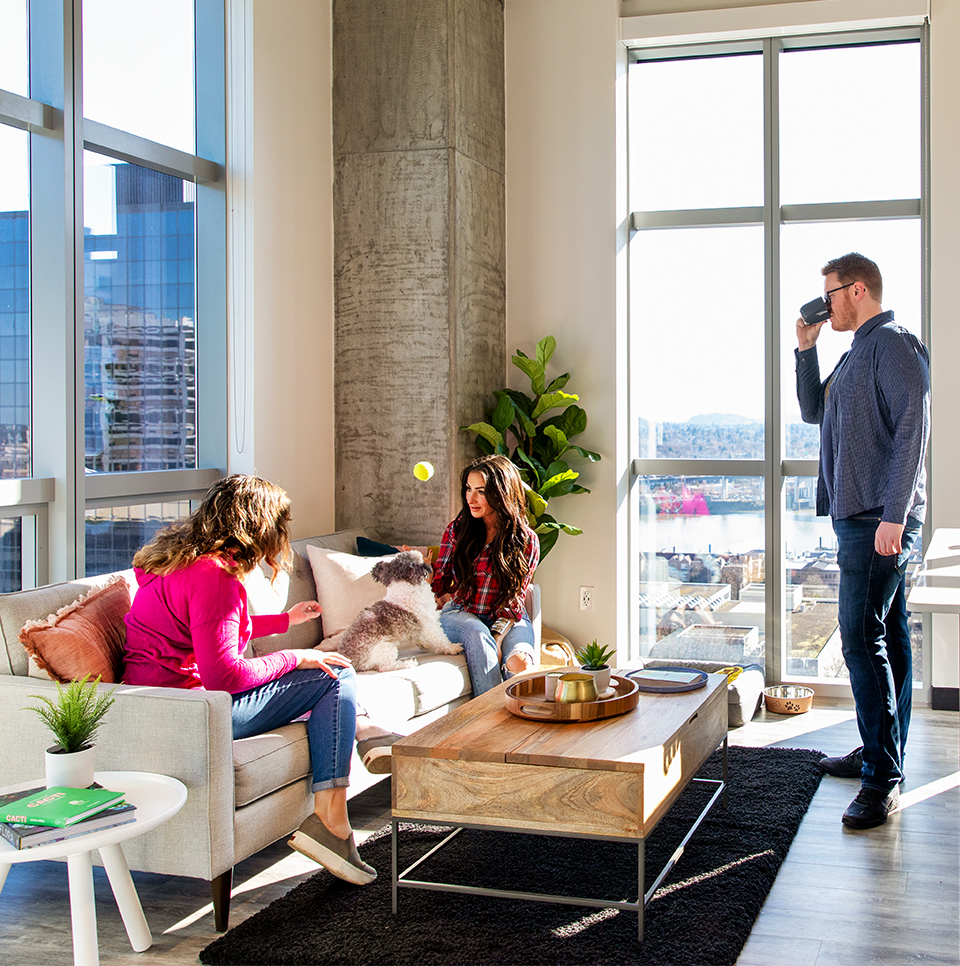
(481, 603)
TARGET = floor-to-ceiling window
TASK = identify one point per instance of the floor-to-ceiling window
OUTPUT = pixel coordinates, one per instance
(751, 165)
(112, 267)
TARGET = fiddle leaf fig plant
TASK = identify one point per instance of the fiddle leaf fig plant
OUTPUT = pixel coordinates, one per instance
(537, 438)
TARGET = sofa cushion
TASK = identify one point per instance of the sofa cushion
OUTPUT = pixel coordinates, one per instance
(83, 638)
(373, 548)
(344, 588)
(287, 589)
(397, 696)
(264, 763)
(290, 588)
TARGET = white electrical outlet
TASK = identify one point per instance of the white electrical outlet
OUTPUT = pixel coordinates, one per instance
(586, 598)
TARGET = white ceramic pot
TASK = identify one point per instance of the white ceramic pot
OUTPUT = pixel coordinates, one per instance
(601, 677)
(72, 771)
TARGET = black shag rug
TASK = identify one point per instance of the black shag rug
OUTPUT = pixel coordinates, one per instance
(700, 916)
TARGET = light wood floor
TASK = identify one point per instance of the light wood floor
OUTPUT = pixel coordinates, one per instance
(886, 896)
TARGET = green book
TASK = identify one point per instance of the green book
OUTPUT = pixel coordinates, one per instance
(59, 806)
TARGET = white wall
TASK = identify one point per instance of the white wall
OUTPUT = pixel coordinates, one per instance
(945, 328)
(281, 333)
(561, 74)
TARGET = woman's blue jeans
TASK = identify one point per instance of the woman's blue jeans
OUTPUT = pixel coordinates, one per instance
(331, 727)
(473, 632)
(876, 645)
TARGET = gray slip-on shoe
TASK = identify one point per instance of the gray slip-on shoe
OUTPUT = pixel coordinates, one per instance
(338, 856)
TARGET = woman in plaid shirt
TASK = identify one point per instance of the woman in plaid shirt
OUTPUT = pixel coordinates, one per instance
(486, 561)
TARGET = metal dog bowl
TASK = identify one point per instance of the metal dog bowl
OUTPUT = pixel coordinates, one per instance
(788, 699)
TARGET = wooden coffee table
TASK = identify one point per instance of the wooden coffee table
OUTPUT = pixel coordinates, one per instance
(482, 767)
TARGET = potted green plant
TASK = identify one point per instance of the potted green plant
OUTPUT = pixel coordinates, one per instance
(541, 426)
(594, 659)
(73, 718)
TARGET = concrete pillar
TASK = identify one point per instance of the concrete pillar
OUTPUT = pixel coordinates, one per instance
(419, 252)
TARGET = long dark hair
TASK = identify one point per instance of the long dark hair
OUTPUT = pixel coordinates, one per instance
(241, 519)
(504, 491)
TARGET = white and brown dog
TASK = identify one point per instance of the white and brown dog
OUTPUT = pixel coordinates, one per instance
(406, 616)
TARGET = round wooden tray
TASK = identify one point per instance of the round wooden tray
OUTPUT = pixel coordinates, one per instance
(527, 699)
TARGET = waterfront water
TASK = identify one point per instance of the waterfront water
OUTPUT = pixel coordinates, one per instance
(738, 533)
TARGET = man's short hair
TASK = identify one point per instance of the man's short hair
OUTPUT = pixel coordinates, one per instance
(855, 267)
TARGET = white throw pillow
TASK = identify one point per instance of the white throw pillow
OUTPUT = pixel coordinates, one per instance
(344, 588)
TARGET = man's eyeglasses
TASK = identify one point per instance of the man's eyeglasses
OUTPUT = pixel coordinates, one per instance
(826, 295)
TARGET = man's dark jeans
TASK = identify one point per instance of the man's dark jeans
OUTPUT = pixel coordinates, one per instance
(876, 645)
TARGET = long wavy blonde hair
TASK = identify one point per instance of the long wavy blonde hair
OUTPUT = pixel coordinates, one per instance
(241, 519)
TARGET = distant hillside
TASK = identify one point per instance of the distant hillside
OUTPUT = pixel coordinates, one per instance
(720, 419)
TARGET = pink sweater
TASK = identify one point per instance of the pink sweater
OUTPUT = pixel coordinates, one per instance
(189, 629)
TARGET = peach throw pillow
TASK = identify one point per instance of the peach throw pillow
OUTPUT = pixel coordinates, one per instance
(85, 637)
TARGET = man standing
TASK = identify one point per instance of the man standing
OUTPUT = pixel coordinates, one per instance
(874, 416)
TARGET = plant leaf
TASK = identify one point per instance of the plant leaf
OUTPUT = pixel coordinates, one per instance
(533, 369)
(557, 485)
(525, 464)
(536, 503)
(559, 382)
(547, 541)
(573, 421)
(552, 400)
(586, 453)
(545, 350)
(561, 444)
(503, 415)
(494, 438)
(520, 399)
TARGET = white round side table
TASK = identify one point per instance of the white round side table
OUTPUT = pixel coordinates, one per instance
(157, 798)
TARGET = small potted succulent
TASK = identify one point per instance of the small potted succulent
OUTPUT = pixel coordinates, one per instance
(594, 659)
(73, 718)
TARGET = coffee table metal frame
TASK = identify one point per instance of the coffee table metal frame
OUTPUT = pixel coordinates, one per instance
(643, 898)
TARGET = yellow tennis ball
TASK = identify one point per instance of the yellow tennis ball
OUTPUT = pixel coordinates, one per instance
(423, 471)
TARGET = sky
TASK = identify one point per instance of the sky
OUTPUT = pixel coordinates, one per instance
(137, 76)
(697, 140)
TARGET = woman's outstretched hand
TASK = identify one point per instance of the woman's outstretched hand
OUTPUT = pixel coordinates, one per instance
(325, 660)
(305, 610)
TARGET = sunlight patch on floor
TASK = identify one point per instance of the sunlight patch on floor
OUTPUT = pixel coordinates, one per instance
(921, 794)
(289, 867)
(571, 929)
(713, 873)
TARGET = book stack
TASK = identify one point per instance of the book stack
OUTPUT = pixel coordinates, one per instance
(41, 815)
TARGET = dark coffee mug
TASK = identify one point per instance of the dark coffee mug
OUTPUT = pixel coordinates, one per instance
(815, 311)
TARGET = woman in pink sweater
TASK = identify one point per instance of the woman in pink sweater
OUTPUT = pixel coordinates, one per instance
(189, 626)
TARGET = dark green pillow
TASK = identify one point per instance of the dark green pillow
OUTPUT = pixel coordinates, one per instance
(370, 548)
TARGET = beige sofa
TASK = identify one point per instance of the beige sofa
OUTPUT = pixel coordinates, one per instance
(242, 795)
